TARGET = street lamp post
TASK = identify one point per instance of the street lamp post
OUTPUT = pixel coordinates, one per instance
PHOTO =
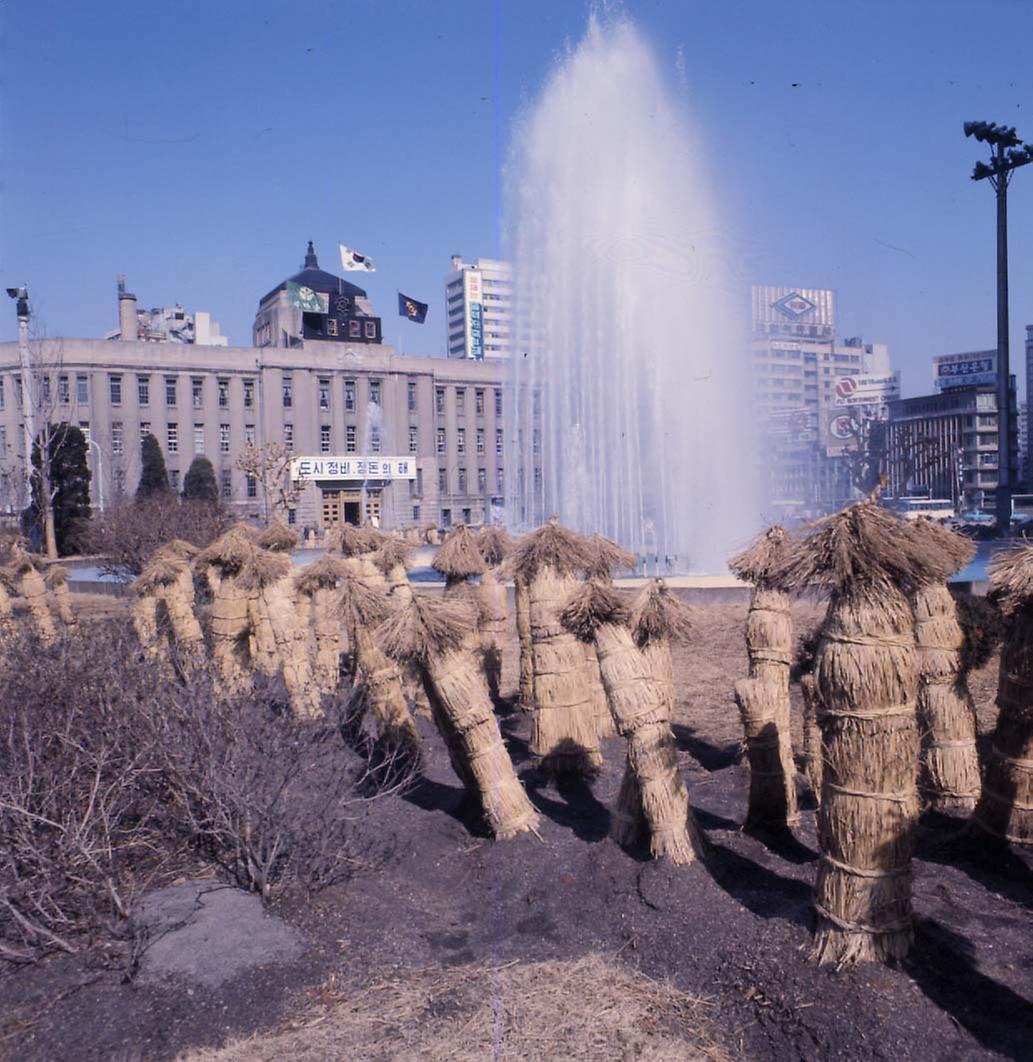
(100, 472)
(21, 295)
(1007, 153)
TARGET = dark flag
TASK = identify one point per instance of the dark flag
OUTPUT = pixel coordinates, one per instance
(411, 309)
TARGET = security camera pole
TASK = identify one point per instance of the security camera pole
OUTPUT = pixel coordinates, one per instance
(28, 411)
(1007, 154)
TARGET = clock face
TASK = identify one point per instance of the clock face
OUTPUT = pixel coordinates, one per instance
(342, 303)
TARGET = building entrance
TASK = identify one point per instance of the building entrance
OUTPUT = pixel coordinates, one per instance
(345, 507)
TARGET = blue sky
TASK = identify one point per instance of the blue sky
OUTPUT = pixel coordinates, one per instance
(196, 147)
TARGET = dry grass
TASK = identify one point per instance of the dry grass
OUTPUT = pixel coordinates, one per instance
(593, 1008)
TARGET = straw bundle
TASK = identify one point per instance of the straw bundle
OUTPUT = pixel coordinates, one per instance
(495, 545)
(143, 611)
(432, 634)
(221, 564)
(460, 556)
(6, 610)
(657, 619)
(641, 710)
(1005, 808)
(812, 765)
(280, 641)
(168, 579)
(317, 596)
(32, 587)
(949, 775)
(867, 676)
(763, 698)
(392, 559)
(361, 608)
(522, 606)
(56, 578)
(563, 730)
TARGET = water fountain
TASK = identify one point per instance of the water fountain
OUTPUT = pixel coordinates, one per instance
(628, 409)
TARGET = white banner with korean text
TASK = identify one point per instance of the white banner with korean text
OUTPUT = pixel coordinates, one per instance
(353, 466)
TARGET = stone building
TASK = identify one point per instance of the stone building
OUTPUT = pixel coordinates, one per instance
(402, 440)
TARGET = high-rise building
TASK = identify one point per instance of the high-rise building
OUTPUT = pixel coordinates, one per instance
(479, 303)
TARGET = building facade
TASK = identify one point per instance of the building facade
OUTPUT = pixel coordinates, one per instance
(479, 309)
(400, 440)
(946, 446)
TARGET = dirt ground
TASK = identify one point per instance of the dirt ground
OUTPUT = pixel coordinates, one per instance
(444, 949)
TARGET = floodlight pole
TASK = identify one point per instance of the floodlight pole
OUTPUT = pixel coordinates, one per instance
(1007, 154)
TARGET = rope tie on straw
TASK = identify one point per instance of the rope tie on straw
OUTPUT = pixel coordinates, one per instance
(1023, 765)
(882, 643)
(897, 798)
(870, 713)
(859, 872)
(1019, 805)
(860, 927)
(967, 743)
(986, 828)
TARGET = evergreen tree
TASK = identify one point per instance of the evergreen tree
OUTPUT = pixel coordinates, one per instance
(199, 482)
(63, 484)
(154, 477)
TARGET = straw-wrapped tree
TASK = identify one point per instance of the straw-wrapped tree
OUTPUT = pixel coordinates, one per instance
(317, 604)
(32, 587)
(495, 545)
(277, 537)
(433, 634)
(866, 671)
(221, 564)
(165, 590)
(361, 607)
(641, 709)
(392, 558)
(6, 609)
(281, 643)
(949, 776)
(563, 727)
(522, 608)
(1005, 808)
(56, 578)
(763, 697)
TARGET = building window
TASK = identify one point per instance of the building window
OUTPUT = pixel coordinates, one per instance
(174, 479)
(143, 390)
(172, 439)
(331, 330)
(120, 481)
(226, 476)
(480, 440)
(324, 438)
(460, 400)
(115, 388)
(170, 390)
(460, 440)
(537, 479)
(439, 401)
(414, 442)
(374, 439)
(349, 439)
(446, 517)
(198, 438)
(3, 439)
(441, 440)
(252, 486)
(442, 481)
(374, 392)
(249, 434)
(349, 396)
(498, 401)
(82, 389)
(224, 392)
(288, 391)
(84, 427)
(462, 481)
(197, 392)
(371, 329)
(1, 392)
(249, 394)
(416, 514)
(324, 393)
(288, 436)
(419, 482)
(411, 389)
(355, 329)
(18, 390)
(145, 428)
(64, 393)
(498, 480)
(498, 440)
(224, 438)
(43, 385)
(116, 437)
(536, 440)
(478, 401)
(482, 479)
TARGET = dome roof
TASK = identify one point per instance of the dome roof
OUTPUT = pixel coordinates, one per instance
(317, 279)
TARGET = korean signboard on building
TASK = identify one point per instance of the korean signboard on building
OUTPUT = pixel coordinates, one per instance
(867, 390)
(964, 370)
(351, 466)
(793, 425)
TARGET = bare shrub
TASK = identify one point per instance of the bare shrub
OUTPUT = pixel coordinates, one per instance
(127, 534)
(114, 768)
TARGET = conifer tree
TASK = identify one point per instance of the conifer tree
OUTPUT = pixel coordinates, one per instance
(154, 477)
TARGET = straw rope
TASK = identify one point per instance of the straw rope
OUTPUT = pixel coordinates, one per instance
(861, 927)
(1021, 764)
(896, 798)
(967, 743)
(1010, 802)
(868, 713)
(861, 872)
